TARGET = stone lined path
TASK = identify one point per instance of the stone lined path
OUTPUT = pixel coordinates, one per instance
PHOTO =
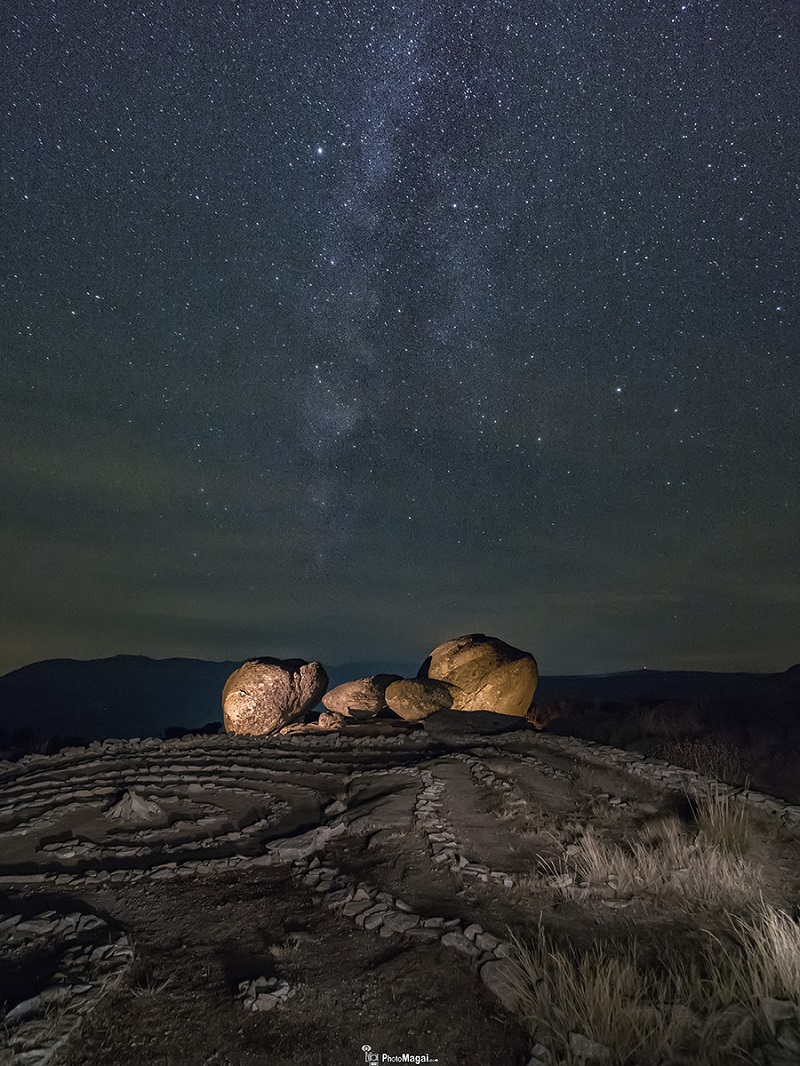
(124, 811)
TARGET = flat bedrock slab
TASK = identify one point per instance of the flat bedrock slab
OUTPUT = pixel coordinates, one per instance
(455, 725)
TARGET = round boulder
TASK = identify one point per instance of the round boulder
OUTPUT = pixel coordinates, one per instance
(360, 699)
(416, 699)
(485, 673)
(266, 694)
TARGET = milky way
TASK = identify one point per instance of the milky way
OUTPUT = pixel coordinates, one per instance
(339, 329)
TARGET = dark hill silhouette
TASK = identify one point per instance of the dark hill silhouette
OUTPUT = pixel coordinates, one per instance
(736, 693)
(132, 695)
(128, 695)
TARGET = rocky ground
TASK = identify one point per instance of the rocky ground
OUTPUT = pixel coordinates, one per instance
(324, 898)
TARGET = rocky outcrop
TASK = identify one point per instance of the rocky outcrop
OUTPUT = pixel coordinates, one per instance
(360, 699)
(414, 700)
(266, 694)
(485, 674)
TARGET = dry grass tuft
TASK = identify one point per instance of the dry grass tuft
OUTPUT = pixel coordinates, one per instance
(286, 949)
(665, 860)
(147, 986)
(702, 1000)
(595, 993)
(763, 954)
(724, 822)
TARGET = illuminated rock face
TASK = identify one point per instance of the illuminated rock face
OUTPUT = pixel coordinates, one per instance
(360, 699)
(485, 673)
(416, 699)
(265, 694)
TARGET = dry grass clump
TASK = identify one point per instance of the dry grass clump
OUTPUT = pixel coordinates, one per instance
(708, 868)
(149, 986)
(724, 822)
(702, 1002)
(287, 949)
(769, 943)
(594, 993)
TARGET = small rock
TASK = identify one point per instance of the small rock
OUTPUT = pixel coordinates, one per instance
(24, 1009)
(357, 906)
(778, 1010)
(540, 1056)
(341, 895)
(372, 920)
(501, 977)
(732, 1026)
(586, 1052)
(400, 922)
(559, 881)
(460, 943)
(486, 942)
(789, 1038)
(426, 936)
(265, 1001)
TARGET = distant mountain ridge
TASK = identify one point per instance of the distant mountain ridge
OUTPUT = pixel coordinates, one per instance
(678, 685)
(132, 695)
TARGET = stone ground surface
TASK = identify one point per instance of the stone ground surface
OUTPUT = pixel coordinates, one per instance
(221, 900)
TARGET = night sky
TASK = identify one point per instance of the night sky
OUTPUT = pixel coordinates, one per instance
(339, 329)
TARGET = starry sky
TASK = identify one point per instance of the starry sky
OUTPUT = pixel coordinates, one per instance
(339, 329)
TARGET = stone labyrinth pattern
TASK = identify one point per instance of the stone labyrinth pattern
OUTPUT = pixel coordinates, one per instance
(125, 810)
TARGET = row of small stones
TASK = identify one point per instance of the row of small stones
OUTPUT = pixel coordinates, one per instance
(168, 871)
(87, 849)
(103, 780)
(76, 850)
(662, 773)
(31, 1033)
(655, 770)
(489, 779)
(445, 849)
(428, 815)
(389, 916)
(542, 767)
(223, 745)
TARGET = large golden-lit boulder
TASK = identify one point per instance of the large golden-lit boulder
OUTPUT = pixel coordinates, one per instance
(266, 694)
(363, 698)
(485, 674)
(417, 698)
